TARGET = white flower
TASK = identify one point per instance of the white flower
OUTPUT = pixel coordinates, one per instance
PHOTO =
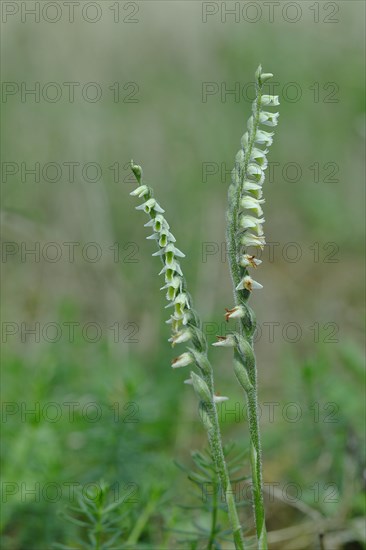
(177, 320)
(182, 360)
(172, 286)
(249, 261)
(259, 156)
(164, 238)
(150, 205)
(140, 191)
(180, 337)
(170, 271)
(170, 252)
(248, 239)
(256, 172)
(254, 188)
(270, 100)
(219, 398)
(235, 313)
(158, 223)
(248, 283)
(263, 138)
(250, 222)
(250, 203)
(181, 303)
(270, 119)
(225, 341)
(188, 381)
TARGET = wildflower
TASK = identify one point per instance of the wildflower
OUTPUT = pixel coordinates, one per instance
(150, 205)
(249, 261)
(248, 239)
(270, 100)
(248, 283)
(270, 119)
(176, 320)
(158, 223)
(250, 222)
(235, 313)
(181, 303)
(170, 252)
(263, 138)
(182, 360)
(180, 337)
(250, 203)
(256, 172)
(163, 239)
(170, 271)
(140, 191)
(259, 156)
(225, 341)
(173, 287)
(253, 188)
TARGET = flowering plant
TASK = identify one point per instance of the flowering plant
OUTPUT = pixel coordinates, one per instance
(244, 230)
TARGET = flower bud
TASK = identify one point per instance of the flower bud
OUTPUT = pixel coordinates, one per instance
(201, 388)
(137, 170)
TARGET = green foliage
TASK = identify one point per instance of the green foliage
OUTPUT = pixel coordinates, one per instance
(207, 504)
(102, 521)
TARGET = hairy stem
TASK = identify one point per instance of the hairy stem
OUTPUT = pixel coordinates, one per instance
(215, 441)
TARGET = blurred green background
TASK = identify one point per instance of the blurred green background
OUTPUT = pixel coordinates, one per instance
(100, 345)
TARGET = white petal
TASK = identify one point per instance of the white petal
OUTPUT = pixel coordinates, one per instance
(225, 341)
(219, 398)
(140, 191)
(182, 360)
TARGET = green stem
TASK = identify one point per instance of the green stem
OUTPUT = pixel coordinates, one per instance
(256, 461)
(215, 441)
(213, 518)
(141, 522)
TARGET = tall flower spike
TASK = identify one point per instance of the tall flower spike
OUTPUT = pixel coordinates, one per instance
(245, 229)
